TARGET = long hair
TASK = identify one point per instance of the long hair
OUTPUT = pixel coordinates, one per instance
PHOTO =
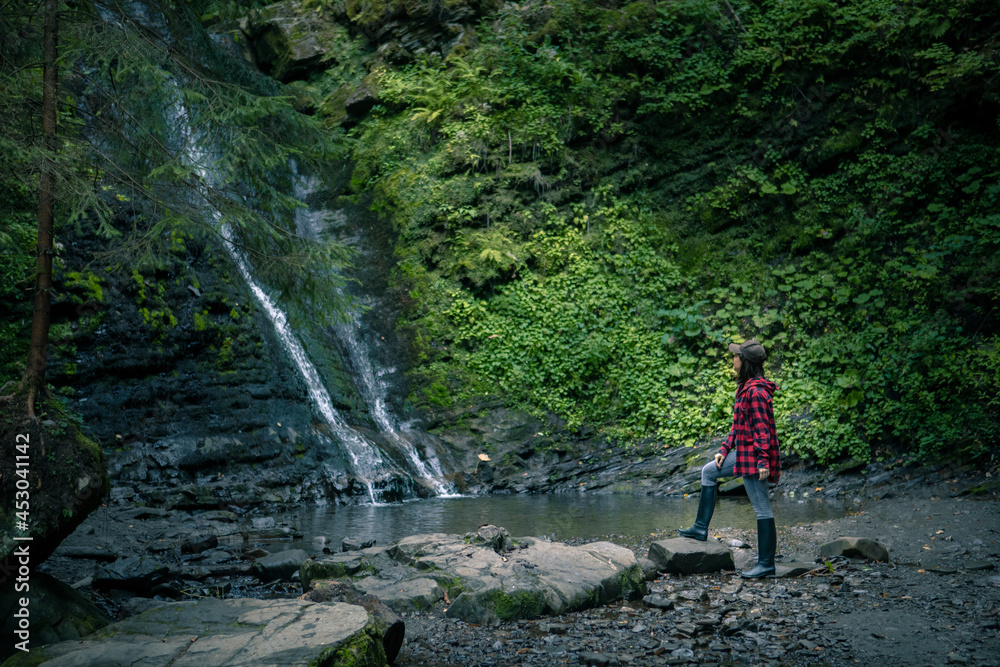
(749, 369)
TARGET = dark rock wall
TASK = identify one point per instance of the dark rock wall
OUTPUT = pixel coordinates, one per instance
(181, 378)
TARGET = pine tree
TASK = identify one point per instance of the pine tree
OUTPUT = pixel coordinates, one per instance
(34, 377)
(153, 113)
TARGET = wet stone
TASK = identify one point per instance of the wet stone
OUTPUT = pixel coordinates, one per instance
(649, 568)
(855, 547)
(659, 601)
(978, 565)
(682, 555)
(355, 544)
(281, 565)
(688, 629)
(693, 595)
(792, 569)
(136, 574)
(597, 659)
(217, 632)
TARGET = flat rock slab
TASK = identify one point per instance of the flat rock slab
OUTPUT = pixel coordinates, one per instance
(855, 547)
(793, 569)
(682, 555)
(486, 575)
(281, 565)
(230, 633)
(131, 574)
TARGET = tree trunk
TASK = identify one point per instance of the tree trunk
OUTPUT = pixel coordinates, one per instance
(34, 377)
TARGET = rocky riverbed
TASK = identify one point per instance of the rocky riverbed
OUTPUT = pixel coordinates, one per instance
(936, 602)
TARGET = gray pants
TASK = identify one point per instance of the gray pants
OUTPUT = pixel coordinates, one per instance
(756, 489)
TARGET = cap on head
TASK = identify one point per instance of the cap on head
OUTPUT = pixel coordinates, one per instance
(750, 350)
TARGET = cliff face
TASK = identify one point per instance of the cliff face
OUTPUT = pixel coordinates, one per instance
(179, 374)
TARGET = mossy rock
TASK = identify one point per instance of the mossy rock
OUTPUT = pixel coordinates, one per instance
(223, 632)
(64, 475)
(57, 613)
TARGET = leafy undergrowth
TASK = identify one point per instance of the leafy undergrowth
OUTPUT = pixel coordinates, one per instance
(592, 199)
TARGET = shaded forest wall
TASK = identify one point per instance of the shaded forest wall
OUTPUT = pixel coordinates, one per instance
(592, 198)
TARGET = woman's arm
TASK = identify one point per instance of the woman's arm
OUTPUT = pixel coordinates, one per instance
(761, 418)
(731, 440)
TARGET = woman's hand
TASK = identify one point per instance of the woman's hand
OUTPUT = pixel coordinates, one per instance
(719, 458)
(764, 474)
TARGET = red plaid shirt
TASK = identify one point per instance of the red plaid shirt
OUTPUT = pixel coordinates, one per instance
(753, 432)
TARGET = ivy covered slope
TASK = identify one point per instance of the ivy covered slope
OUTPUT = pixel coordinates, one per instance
(592, 198)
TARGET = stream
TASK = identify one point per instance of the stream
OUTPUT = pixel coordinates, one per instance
(560, 516)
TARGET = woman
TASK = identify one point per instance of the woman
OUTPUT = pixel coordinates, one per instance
(750, 452)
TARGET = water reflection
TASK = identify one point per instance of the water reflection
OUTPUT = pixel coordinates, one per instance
(565, 516)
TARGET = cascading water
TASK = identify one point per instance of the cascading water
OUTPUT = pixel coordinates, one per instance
(365, 459)
(367, 463)
(368, 378)
(374, 390)
(370, 466)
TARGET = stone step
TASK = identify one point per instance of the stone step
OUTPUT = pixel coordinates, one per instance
(244, 632)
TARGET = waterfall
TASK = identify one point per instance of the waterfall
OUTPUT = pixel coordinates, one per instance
(365, 458)
(370, 465)
(366, 461)
(368, 377)
(375, 390)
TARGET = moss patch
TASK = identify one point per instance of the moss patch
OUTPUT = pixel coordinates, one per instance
(514, 606)
(362, 650)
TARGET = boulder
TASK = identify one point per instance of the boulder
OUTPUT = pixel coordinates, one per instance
(281, 565)
(389, 626)
(251, 633)
(495, 538)
(658, 601)
(407, 595)
(291, 40)
(58, 613)
(136, 574)
(546, 578)
(361, 99)
(682, 555)
(487, 575)
(354, 544)
(649, 568)
(348, 564)
(855, 547)
(67, 478)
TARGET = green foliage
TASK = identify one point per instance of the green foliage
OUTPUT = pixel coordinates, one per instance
(165, 138)
(87, 282)
(17, 254)
(596, 197)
